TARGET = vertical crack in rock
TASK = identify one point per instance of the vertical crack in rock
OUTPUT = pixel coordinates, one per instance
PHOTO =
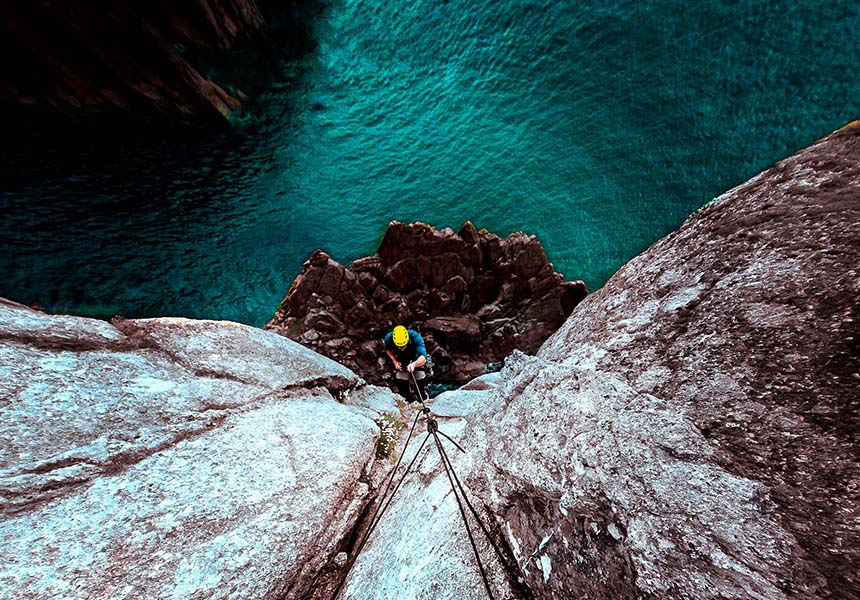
(327, 579)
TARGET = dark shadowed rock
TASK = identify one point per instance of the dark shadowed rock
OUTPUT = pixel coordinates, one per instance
(691, 432)
(474, 297)
(119, 57)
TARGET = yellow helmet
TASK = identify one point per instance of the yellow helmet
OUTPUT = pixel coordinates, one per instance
(400, 336)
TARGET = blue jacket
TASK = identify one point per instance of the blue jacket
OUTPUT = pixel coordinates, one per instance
(411, 351)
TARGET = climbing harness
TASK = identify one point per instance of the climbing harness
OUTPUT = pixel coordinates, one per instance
(456, 486)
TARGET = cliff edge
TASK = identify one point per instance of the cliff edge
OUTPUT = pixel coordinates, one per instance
(75, 62)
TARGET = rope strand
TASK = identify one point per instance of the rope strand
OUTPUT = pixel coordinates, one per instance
(465, 520)
(456, 487)
(397, 487)
(501, 555)
(459, 447)
(380, 509)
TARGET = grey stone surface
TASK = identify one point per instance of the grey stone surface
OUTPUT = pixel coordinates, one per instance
(692, 430)
(17, 322)
(374, 398)
(239, 352)
(169, 458)
(465, 399)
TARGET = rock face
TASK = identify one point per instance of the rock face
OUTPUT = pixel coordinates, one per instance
(691, 432)
(473, 296)
(421, 548)
(120, 57)
(169, 458)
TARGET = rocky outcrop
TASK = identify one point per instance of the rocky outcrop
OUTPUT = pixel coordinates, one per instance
(691, 432)
(474, 296)
(170, 458)
(121, 58)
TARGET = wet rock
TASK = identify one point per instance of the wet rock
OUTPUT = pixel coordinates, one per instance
(691, 432)
(171, 458)
(449, 286)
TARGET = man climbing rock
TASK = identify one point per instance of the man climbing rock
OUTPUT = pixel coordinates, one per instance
(408, 354)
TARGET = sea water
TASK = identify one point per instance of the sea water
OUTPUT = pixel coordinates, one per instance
(597, 126)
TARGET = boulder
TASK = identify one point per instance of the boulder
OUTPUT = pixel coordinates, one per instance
(171, 458)
(444, 284)
(691, 432)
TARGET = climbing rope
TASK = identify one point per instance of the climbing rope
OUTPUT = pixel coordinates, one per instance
(465, 520)
(384, 503)
(456, 486)
(453, 479)
(503, 559)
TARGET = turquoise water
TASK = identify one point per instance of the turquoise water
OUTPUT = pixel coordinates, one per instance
(597, 126)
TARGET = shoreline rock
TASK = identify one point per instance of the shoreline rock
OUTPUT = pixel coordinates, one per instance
(473, 296)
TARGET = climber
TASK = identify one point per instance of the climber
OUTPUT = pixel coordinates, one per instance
(405, 348)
